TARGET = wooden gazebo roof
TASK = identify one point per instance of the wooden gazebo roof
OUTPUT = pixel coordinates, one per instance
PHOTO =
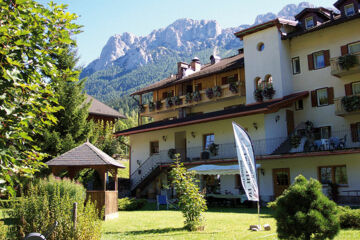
(83, 156)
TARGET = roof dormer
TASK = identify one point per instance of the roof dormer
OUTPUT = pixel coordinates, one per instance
(347, 8)
(311, 17)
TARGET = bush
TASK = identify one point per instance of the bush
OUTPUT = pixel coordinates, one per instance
(3, 230)
(51, 200)
(130, 204)
(191, 201)
(8, 203)
(349, 218)
(304, 212)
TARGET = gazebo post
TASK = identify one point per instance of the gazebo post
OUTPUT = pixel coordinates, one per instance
(104, 178)
(116, 179)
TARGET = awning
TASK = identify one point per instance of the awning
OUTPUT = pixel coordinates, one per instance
(208, 169)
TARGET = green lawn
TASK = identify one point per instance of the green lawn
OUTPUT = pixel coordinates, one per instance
(221, 224)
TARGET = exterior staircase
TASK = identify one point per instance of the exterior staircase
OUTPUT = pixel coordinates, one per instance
(147, 168)
(286, 146)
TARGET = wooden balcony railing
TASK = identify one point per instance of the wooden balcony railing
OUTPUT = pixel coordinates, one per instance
(225, 93)
(339, 71)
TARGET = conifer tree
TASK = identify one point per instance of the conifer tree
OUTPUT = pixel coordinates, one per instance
(72, 127)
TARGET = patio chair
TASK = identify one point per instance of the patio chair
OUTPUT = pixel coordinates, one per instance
(162, 200)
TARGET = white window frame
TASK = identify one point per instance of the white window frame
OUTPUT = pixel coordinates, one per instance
(353, 87)
(307, 20)
(318, 99)
(352, 44)
(349, 6)
(317, 54)
(293, 63)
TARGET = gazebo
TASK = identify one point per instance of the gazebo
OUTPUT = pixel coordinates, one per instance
(89, 156)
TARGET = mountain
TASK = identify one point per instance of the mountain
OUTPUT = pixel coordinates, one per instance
(128, 62)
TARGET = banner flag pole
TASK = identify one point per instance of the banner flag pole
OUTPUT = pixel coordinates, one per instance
(247, 165)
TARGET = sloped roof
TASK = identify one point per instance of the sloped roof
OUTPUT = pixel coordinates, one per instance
(320, 10)
(99, 108)
(224, 65)
(237, 111)
(84, 155)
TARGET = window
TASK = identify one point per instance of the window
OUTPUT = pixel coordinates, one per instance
(296, 65)
(322, 97)
(349, 9)
(260, 47)
(322, 132)
(355, 132)
(299, 105)
(354, 48)
(229, 79)
(333, 174)
(167, 94)
(309, 22)
(259, 83)
(319, 60)
(198, 87)
(154, 147)
(355, 88)
(208, 140)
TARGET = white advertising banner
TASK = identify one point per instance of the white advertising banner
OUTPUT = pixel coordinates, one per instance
(246, 161)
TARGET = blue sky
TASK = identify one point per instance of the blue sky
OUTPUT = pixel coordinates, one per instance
(104, 18)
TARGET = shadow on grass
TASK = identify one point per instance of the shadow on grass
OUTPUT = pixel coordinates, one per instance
(150, 231)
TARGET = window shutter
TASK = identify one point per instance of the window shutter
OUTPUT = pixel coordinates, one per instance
(348, 89)
(354, 133)
(311, 62)
(327, 57)
(223, 80)
(330, 92)
(313, 99)
(344, 50)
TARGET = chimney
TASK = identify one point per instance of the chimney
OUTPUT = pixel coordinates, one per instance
(214, 59)
(195, 64)
(181, 67)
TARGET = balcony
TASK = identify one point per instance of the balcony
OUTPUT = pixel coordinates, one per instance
(338, 140)
(184, 102)
(338, 69)
(341, 109)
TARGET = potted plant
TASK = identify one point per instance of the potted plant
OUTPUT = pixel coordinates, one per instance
(171, 153)
(158, 105)
(169, 102)
(177, 100)
(217, 91)
(141, 108)
(347, 61)
(213, 149)
(295, 141)
(196, 96)
(351, 103)
(258, 93)
(269, 91)
(151, 106)
(188, 97)
(233, 87)
(209, 93)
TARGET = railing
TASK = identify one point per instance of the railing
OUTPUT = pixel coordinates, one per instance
(339, 71)
(340, 108)
(225, 93)
(338, 140)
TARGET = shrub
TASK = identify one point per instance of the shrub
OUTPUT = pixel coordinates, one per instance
(304, 212)
(191, 201)
(8, 203)
(130, 204)
(258, 94)
(217, 91)
(3, 230)
(169, 102)
(196, 96)
(188, 97)
(269, 91)
(233, 87)
(349, 218)
(209, 93)
(347, 61)
(51, 200)
(151, 106)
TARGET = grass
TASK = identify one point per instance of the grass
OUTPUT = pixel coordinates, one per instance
(225, 223)
(124, 172)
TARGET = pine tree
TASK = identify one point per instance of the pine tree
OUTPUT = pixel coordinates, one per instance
(72, 127)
